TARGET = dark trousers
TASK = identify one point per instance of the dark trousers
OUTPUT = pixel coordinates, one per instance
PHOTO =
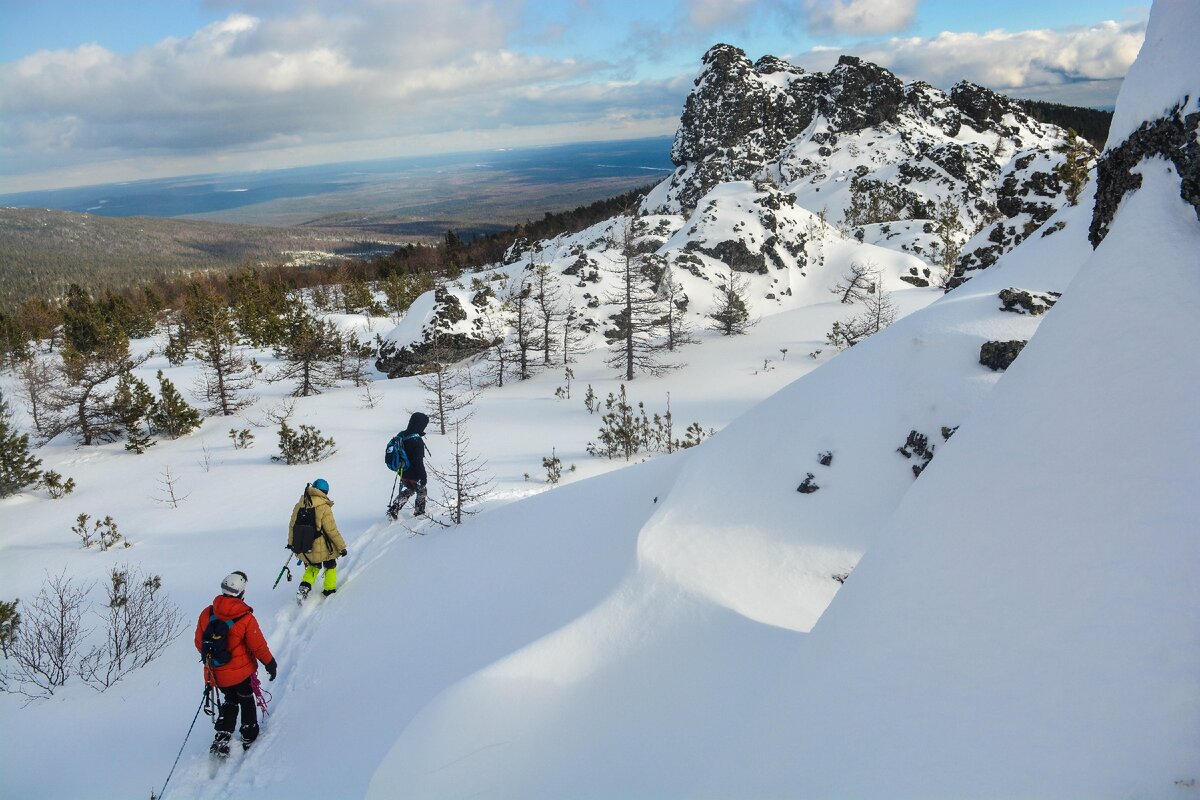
(411, 488)
(238, 696)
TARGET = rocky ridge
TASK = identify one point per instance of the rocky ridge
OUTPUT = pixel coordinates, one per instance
(786, 177)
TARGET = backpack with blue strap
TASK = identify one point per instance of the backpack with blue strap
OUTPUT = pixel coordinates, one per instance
(394, 456)
(214, 645)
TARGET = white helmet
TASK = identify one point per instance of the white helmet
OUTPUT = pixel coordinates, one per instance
(234, 584)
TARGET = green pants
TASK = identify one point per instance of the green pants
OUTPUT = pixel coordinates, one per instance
(310, 575)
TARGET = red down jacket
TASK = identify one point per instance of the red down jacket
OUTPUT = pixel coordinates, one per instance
(247, 646)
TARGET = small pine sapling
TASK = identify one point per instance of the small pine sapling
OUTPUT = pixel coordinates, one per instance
(10, 618)
(56, 487)
(305, 446)
(553, 466)
(242, 439)
(590, 402)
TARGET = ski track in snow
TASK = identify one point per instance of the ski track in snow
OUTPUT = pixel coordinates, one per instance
(292, 630)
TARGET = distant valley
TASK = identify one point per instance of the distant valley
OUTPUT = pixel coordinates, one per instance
(117, 234)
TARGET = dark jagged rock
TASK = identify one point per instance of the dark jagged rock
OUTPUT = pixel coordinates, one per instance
(1021, 301)
(1175, 137)
(418, 358)
(808, 486)
(917, 446)
(1000, 355)
(737, 255)
(984, 108)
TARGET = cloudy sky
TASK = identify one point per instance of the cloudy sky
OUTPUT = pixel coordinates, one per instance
(96, 91)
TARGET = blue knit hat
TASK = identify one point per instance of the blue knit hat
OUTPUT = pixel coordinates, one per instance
(322, 484)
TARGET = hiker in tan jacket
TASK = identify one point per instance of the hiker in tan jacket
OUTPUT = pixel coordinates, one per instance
(327, 544)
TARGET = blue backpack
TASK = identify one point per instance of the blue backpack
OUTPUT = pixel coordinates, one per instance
(394, 456)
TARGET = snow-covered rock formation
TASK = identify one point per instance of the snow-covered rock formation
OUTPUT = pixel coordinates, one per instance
(787, 177)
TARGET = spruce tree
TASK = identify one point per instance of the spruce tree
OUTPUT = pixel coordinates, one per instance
(257, 306)
(172, 416)
(730, 316)
(226, 376)
(80, 401)
(547, 311)
(450, 389)
(18, 467)
(311, 352)
(518, 299)
(634, 335)
(132, 406)
(1073, 172)
(675, 305)
(464, 478)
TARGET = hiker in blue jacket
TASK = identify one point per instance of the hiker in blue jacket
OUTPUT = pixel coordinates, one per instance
(414, 480)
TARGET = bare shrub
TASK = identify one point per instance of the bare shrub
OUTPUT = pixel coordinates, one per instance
(45, 649)
(139, 621)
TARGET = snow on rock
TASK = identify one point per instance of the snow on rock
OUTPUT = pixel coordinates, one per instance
(1016, 618)
(777, 169)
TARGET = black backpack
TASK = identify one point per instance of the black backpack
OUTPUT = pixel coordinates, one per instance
(304, 530)
(214, 646)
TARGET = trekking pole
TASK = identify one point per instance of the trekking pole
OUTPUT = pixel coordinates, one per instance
(203, 700)
(282, 570)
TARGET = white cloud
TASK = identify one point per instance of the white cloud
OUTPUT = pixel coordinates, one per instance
(708, 14)
(1002, 59)
(859, 17)
(350, 80)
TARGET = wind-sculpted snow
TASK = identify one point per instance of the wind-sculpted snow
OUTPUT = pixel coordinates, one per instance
(1016, 618)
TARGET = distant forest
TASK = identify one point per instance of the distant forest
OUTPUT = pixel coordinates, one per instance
(342, 285)
(1090, 123)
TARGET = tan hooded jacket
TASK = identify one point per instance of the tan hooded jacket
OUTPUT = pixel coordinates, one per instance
(326, 547)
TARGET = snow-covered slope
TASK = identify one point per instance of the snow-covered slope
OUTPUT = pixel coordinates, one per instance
(1019, 620)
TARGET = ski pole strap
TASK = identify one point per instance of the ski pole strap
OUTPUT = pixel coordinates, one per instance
(196, 716)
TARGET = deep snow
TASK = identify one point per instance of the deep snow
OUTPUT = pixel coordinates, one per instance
(1021, 620)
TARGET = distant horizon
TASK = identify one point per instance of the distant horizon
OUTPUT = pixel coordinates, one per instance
(468, 188)
(326, 164)
(116, 92)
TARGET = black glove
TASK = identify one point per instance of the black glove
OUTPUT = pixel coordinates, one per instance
(272, 667)
(343, 553)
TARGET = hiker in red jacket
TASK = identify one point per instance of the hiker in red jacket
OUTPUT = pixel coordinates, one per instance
(232, 645)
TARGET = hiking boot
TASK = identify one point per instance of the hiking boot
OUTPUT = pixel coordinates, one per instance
(249, 734)
(220, 745)
(328, 592)
(302, 592)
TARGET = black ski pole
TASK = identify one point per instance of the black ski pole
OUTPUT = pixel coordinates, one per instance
(203, 699)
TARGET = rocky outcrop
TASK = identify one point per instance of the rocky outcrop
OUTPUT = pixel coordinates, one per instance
(898, 149)
(1021, 301)
(441, 343)
(999, 356)
(1175, 137)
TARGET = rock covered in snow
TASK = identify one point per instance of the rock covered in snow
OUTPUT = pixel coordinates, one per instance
(788, 177)
(858, 130)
